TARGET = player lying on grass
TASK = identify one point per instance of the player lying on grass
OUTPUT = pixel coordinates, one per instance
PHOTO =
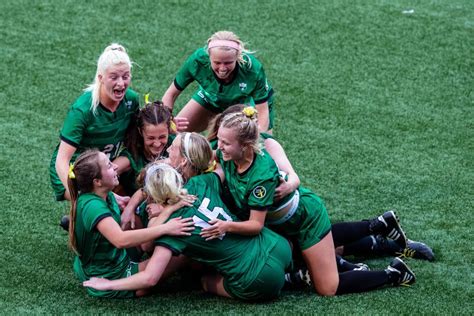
(252, 176)
(249, 268)
(350, 238)
(94, 229)
(227, 74)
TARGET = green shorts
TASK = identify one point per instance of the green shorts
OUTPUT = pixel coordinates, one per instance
(269, 282)
(56, 183)
(131, 270)
(310, 223)
(211, 106)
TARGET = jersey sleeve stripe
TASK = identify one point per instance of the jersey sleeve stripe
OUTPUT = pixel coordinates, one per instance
(98, 219)
(270, 93)
(68, 141)
(177, 85)
(175, 251)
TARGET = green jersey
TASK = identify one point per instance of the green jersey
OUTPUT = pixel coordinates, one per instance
(103, 130)
(249, 84)
(128, 179)
(238, 258)
(98, 257)
(253, 189)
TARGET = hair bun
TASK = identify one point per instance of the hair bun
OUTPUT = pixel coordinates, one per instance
(249, 112)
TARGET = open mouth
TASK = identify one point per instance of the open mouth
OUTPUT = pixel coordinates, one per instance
(118, 93)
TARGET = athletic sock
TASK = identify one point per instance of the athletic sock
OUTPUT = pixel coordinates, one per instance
(372, 245)
(362, 281)
(347, 232)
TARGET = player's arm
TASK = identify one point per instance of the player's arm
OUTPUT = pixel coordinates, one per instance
(109, 228)
(278, 154)
(147, 278)
(63, 159)
(252, 226)
(170, 96)
(123, 164)
(263, 116)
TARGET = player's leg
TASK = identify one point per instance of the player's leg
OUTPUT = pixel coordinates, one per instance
(214, 283)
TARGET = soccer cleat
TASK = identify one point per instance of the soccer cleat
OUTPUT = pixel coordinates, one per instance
(417, 250)
(299, 277)
(400, 273)
(64, 223)
(361, 267)
(393, 230)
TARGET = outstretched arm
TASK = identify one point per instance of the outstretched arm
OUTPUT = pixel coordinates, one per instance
(170, 96)
(65, 152)
(131, 238)
(263, 116)
(144, 279)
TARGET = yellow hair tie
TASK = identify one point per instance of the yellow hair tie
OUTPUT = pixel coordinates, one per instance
(249, 111)
(70, 173)
(212, 167)
(147, 98)
(173, 127)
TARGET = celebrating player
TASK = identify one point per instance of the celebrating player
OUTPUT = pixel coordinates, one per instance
(227, 74)
(249, 267)
(252, 177)
(94, 228)
(98, 118)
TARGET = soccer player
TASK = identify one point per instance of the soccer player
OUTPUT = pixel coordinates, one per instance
(146, 140)
(252, 177)
(350, 238)
(98, 118)
(248, 267)
(94, 228)
(227, 74)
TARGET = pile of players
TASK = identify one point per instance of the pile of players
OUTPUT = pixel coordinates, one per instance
(150, 195)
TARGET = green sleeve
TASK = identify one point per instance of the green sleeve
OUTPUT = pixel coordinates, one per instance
(262, 193)
(262, 91)
(74, 127)
(185, 74)
(94, 211)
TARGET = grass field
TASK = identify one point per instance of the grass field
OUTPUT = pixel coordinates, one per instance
(375, 108)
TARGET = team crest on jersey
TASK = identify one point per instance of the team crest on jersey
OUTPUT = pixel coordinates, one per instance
(128, 104)
(242, 86)
(259, 192)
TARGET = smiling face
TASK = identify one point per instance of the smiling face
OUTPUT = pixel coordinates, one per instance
(176, 159)
(229, 145)
(108, 172)
(223, 62)
(114, 84)
(155, 138)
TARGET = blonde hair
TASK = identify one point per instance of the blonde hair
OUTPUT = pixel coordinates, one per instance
(114, 54)
(196, 150)
(213, 126)
(245, 127)
(164, 184)
(230, 36)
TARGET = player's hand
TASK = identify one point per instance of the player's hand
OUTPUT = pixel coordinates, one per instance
(154, 210)
(179, 227)
(217, 230)
(186, 200)
(100, 284)
(127, 219)
(182, 124)
(122, 201)
(283, 189)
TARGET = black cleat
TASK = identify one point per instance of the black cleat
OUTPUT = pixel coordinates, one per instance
(417, 250)
(402, 274)
(64, 223)
(299, 277)
(393, 230)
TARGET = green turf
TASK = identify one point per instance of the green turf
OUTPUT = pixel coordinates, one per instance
(374, 107)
